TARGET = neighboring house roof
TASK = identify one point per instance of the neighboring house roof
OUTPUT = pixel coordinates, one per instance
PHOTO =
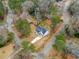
(41, 30)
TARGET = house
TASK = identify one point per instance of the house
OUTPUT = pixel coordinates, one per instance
(41, 33)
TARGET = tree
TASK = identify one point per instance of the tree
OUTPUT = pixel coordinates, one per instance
(1, 9)
(74, 8)
(59, 43)
(73, 25)
(10, 36)
(55, 20)
(25, 53)
(15, 5)
(53, 9)
(35, 2)
(6, 39)
(32, 11)
(27, 46)
(1, 12)
(2, 42)
(23, 26)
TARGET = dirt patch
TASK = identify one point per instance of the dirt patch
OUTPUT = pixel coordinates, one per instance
(6, 51)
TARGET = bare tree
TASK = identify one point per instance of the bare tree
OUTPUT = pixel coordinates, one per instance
(73, 25)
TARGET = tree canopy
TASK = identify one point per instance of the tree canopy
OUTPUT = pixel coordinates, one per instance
(27, 46)
(15, 5)
(1, 12)
(6, 39)
(53, 9)
(74, 8)
(1, 41)
(73, 26)
(59, 43)
(23, 26)
(10, 36)
(55, 20)
(1, 9)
